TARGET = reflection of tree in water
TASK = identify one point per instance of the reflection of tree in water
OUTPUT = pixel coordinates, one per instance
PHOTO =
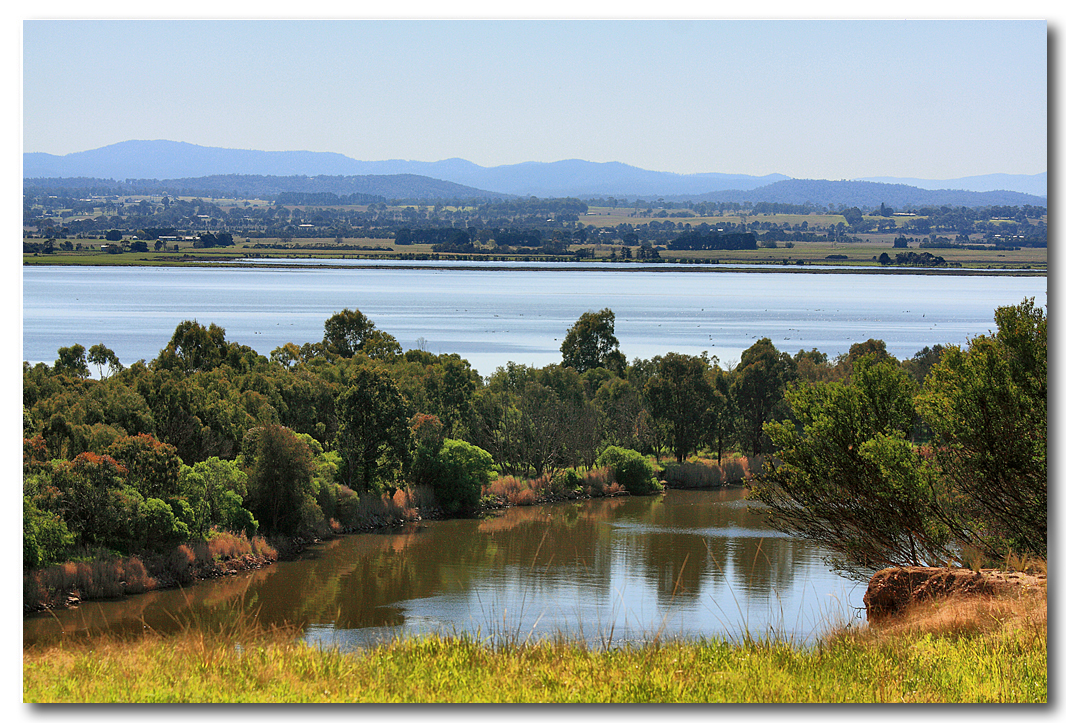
(213, 604)
(689, 542)
(762, 565)
(674, 564)
(544, 548)
(363, 580)
(683, 544)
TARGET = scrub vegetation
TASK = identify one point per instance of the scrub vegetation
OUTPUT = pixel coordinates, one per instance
(945, 453)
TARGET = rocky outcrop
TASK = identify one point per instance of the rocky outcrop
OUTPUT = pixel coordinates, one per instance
(893, 589)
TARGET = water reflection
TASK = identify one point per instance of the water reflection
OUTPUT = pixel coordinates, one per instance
(688, 563)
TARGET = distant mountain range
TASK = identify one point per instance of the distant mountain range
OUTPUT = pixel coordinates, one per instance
(171, 159)
(185, 165)
(865, 194)
(1035, 184)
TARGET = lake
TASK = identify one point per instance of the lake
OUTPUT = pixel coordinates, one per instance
(491, 317)
(622, 569)
(610, 571)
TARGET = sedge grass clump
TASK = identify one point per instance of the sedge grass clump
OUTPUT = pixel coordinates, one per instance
(110, 576)
(181, 564)
(506, 488)
(226, 545)
(597, 480)
(706, 473)
(135, 577)
(524, 498)
(262, 548)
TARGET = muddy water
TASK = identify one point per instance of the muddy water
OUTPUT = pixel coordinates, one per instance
(627, 569)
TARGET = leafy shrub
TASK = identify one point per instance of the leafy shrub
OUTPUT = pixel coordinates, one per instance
(45, 537)
(234, 517)
(567, 480)
(462, 470)
(630, 470)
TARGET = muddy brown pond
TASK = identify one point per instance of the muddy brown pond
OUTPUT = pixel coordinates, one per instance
(689, 564)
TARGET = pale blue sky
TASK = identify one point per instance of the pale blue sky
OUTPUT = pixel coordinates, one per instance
(809, 98)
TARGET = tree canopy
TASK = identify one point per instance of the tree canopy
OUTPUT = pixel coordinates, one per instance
(848, 473)
(591, 343)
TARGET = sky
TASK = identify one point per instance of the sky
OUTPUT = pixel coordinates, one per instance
(811, 98)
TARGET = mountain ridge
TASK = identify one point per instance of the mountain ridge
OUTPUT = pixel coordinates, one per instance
(572, 177)
(181, 162)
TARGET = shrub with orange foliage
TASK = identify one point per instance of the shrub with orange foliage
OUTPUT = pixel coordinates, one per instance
(181, 563)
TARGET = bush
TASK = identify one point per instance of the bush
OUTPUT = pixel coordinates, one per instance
(45, 537)
(462, 469)
(234, 517)
(630, 470)
(162, 528)
(568, 480)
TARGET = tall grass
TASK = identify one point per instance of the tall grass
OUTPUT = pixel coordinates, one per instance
(703, 473)
(1002, 658)
(510, 490)
(370, 510)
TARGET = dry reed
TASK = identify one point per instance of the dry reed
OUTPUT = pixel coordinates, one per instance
(109, 576)
(702, 473)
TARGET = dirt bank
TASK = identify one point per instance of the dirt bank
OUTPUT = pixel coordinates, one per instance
(894, 589)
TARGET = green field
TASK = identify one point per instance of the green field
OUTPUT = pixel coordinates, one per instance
(1027, 260)
(863, 254)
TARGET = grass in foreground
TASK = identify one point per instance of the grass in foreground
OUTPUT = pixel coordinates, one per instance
(963, 651)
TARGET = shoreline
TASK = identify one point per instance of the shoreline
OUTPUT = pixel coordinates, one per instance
(290, 550)
(202, 262)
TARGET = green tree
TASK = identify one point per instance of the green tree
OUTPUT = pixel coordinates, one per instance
(152, 467)
(630, 470)
(462, 470)
(679, 396)
(373, 437)
(591, 343)
(852, 215)
(194, 347)
(923, 361)
(45, 537)
(279, 478)
(846, 475)
(619, 405)
(216, 489)
(71, 361)
(82, 486)
(759, 383)
(102, 357)
(987, 407)
(349, 332)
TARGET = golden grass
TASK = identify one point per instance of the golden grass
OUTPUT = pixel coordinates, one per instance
(973, 651)
(1024, 610)
(377, 510)
(510, 490)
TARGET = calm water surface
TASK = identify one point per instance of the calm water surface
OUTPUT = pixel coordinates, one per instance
(685, 564)
(493, 317)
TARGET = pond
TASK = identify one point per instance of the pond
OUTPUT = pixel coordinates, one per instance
(688, 564)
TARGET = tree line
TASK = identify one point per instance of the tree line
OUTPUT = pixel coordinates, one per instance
(211, 434)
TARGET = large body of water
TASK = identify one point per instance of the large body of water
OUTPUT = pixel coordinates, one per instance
(611, 571)
(491, 317)
(624, 569)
